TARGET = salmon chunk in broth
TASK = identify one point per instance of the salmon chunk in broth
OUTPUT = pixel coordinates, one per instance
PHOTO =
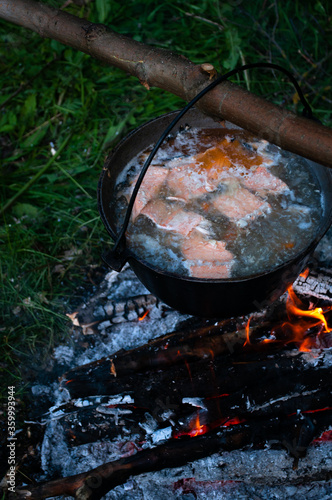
(239, 204)
(263, 182)
(151, 184)
(170, 217)
(187, 181)
(210, 270)
(206, 258)
(197, 247)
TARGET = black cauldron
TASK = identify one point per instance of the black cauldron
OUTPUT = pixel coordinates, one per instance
(214, 298)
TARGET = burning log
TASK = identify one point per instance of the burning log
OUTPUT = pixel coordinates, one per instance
(244, 386)
(202, 343)
(207, 350)
(97, 482)
(197, 379)
(204, 364)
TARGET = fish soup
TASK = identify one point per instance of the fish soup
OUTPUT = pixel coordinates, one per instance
(219, 203)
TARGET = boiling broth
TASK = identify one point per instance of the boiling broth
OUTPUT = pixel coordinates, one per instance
(219, 203)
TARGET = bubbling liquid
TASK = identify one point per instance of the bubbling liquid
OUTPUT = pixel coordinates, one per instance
(219, 203)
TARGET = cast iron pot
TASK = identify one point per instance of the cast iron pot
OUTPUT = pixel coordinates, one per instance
(214, 298)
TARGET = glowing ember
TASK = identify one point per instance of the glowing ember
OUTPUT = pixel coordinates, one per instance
(188, 368)
(219, 396)
(303, 327)
(325, 437)
(327, 408)
(233, 421)
(197, 429)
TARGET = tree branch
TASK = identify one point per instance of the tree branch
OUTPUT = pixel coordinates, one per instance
(176, 74)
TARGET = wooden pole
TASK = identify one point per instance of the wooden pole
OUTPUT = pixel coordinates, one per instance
(172, 72)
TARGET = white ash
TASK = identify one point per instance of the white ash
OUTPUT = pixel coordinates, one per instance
(56, 411)
(150, 425)
(126, 399)
(316, 357)
(278, 400)
(125, 335)
(154, 436)
(197, 402)
(116, 413)
(319, 286)
(81, 403)
(41, 390)
(128, 335)
(266, 474)
(64, 354)
(54, 452)
(161, 435)
(124, 284)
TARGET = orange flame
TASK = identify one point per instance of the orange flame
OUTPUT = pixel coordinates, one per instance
(197, 428)
(299, 327)
(247, 342)
(305, 273)
(315, 317)
(292, 307)
(144, 315)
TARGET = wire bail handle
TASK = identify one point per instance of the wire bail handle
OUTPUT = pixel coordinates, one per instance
(119, 244)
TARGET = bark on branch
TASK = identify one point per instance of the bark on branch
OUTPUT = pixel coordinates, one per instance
(176, 74)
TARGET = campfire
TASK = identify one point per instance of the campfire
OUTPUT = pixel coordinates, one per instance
(173, 405)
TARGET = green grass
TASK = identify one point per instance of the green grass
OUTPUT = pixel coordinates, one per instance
(51, 235)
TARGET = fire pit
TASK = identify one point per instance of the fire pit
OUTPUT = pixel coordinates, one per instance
(165, 405)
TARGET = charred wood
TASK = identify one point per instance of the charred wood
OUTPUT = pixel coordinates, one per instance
(114, 311)
(317, 284)
(168, 350)
(89, 424)
(205, 379)
(247, 386)
(177, 452)
(205, 360)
